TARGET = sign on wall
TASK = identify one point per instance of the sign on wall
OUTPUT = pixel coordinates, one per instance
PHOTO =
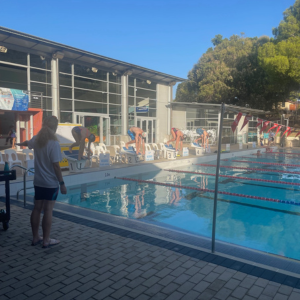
(12, 99)
(142, 109)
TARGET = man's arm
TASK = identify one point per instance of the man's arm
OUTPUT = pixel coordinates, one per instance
(59, 177)
(23, 144)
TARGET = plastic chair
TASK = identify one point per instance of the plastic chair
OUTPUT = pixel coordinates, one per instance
(12, 158)
(116, 155)
(157, 151)
(104, 148)
(29, 159)
(2, 162)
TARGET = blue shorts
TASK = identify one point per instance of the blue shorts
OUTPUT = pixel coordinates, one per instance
(199, 131)
(77, 130)
(131, 134)
(42, 193)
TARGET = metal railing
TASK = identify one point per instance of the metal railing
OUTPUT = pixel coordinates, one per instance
(24, 181)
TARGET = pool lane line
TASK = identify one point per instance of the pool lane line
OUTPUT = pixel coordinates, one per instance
(282, 153)
(253, 169)
(209, 190)
(265, 163)
(234, 177)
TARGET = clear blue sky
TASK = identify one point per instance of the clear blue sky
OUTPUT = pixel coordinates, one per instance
(164, 35)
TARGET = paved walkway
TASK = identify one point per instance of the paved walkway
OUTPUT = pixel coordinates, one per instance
(102, 262)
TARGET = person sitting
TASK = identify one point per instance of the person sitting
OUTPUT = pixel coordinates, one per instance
(80, 134)
(203, 136)
(178, 136)
(138, 136)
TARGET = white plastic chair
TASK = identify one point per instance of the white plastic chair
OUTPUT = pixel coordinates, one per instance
(157, 151)
(29, 159)
(2, 162)
(12, 158)
(116, 156)
(104, 148)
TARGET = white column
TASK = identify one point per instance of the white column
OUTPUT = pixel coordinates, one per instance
(31, 126)
(124, 120)
(18, 139)
(55, 88)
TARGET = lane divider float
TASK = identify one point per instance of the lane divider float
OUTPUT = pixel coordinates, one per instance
(266, 163)
(252, 169)
(208, 190)
(236, 177)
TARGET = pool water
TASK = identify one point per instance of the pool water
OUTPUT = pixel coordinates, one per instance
(257, 224)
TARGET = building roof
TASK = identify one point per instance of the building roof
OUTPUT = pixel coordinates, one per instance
(24, 42)
(228, 107)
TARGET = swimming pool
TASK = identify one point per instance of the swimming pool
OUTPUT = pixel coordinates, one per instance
(253, 223)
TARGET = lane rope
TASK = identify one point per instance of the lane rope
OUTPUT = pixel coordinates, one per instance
(265, 163)
(208, 190)
(252, 169)
(235, 177)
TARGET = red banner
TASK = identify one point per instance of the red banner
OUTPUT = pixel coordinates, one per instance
(289, 133)
(297, 133)
(246, 120)
(259, 121)
(236, 122)
(275, 125)
(265, 125)
(278, 129)
(288, 129)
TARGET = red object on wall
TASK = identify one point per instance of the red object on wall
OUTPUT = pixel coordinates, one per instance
(37, 119)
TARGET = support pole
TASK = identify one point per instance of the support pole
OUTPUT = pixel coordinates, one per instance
(217, 180)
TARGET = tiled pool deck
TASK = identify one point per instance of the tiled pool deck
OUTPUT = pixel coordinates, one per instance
(100, 261)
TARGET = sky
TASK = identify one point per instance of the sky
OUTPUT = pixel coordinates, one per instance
(168, 36)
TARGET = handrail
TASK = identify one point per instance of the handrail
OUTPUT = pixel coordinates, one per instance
(24, 180)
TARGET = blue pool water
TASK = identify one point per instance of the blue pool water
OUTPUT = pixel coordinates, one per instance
(257, 224)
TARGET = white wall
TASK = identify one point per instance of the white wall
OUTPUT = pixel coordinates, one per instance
(178, 119)
(164, 93)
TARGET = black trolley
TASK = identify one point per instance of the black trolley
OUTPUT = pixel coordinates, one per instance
(6, 176)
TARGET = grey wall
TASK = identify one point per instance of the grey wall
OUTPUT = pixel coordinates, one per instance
(163, 96)
(178, 119)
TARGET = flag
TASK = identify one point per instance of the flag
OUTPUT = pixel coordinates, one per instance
(259, 121)
(246, 120)
(297, 133)
(275, 125)
(278, 129)
(265, 125)
(289, 133)
(236, 122)
(288, 129)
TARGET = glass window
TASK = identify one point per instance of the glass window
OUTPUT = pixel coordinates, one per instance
(143, 84)
(142, 102)
(131, 101)
(41, 62)
(152, 104)
(192, 113)
(145, 94)
(115, 120)
(112, 78)
(82, 106)
(130, 91)
(14, 56)
(65, 105)
(65, 92)
(41, 76)
(46, 89)
(115, 109)
(65, 79)
(131, 81)
(90, 84)
(87, 72)
(47, 113)
(152, 113)
(90, 96)
(114, 99)
(13, 77)
(131, 110)
(115, 130)
(115, 88)
(47, 103)
(65, 67)
(66, 117)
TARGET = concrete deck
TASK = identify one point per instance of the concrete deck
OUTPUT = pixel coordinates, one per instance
(98, 261)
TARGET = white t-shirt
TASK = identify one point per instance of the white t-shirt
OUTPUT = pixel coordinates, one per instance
(44, 175)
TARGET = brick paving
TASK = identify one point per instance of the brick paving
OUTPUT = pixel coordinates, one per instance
(93, 263)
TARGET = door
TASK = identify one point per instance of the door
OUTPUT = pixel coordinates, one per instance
(147, 125)
(98, 125)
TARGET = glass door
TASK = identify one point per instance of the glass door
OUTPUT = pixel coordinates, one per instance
(97, 124)
(147, 125)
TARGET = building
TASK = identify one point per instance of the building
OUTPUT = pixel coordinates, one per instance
(104, 94)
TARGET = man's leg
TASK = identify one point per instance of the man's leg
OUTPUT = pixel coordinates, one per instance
(47, 221)
(77, 140)
(35, 220)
